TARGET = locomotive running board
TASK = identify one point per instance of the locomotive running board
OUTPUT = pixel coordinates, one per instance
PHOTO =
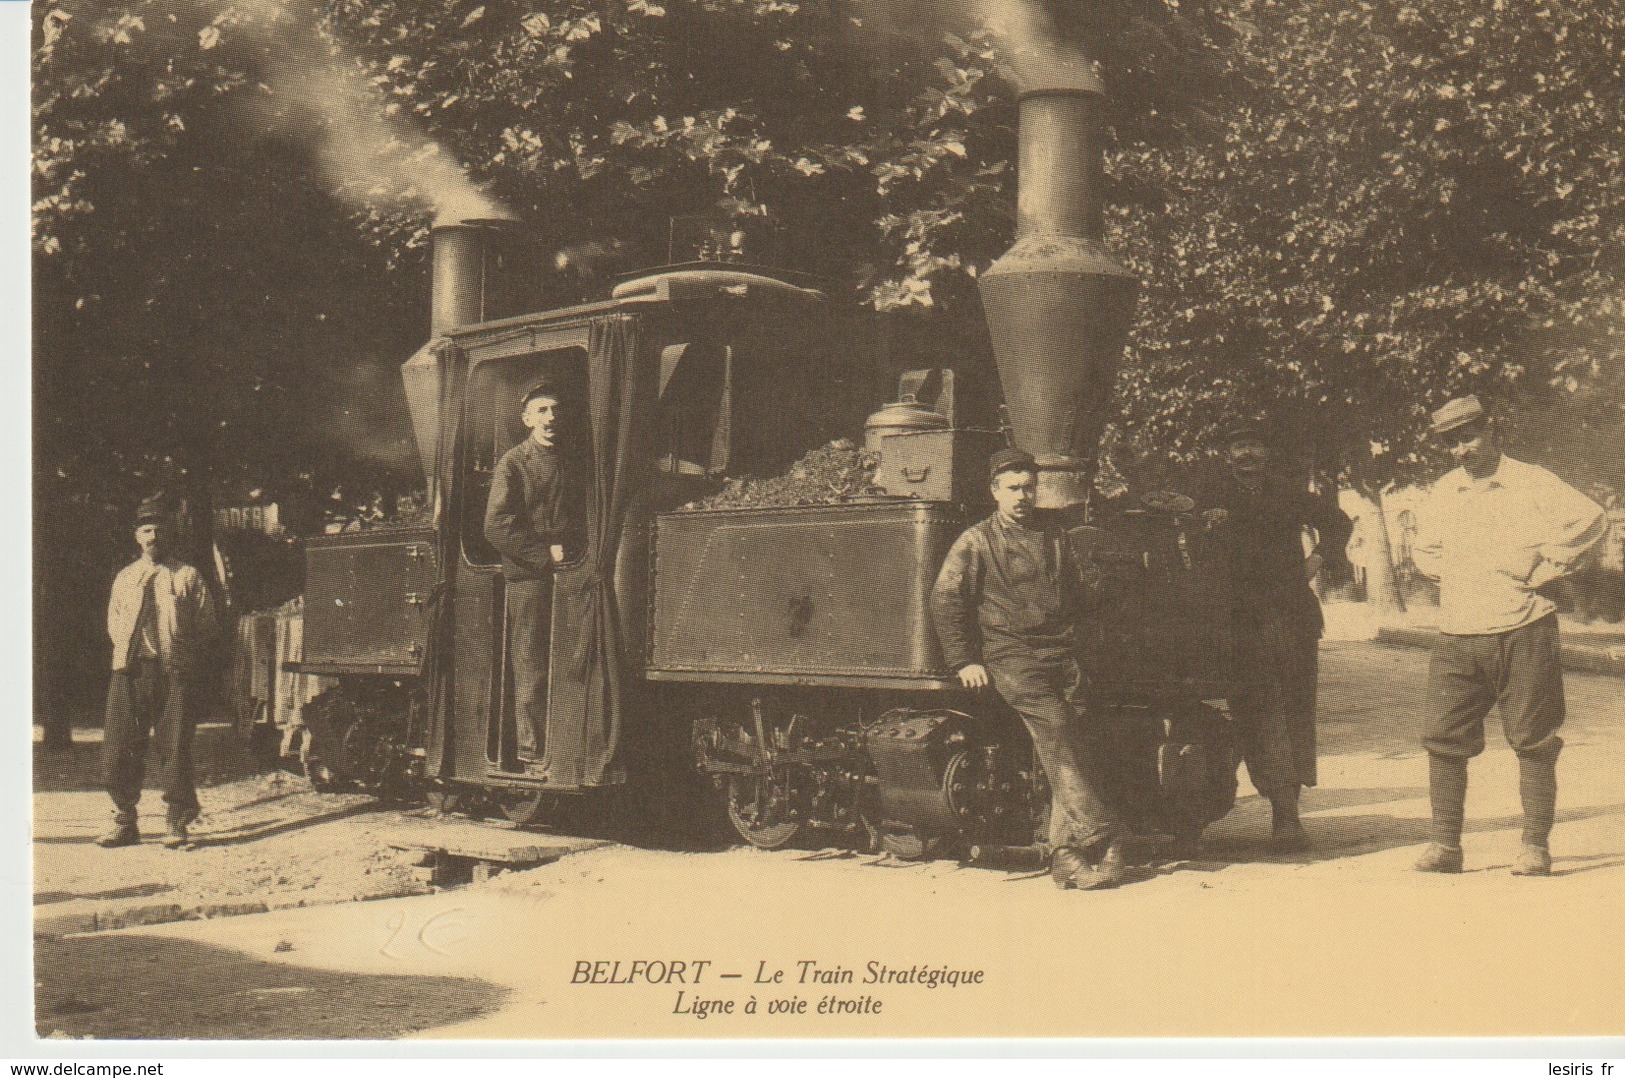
(822, 681)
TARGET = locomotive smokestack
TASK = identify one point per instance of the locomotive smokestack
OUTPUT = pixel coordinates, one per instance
(1058, 305)
(467, 285)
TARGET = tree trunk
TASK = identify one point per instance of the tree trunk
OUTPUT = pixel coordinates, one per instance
(1382, 583)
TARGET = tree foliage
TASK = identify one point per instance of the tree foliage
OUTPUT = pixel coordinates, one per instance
(1342, 210)
(1431, 202)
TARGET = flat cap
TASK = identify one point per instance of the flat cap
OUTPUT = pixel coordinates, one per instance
(153, 510)
(1237, 427)
(1010, 460)
(542, 387)
(1458, 413)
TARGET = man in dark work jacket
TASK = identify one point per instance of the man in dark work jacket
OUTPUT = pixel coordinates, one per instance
(1006, 605)
(1258, 518)
(530, 514)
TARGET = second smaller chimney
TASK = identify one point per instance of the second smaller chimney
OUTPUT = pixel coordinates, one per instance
(467, 283)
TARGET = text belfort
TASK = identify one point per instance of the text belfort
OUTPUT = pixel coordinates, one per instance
(806, 971)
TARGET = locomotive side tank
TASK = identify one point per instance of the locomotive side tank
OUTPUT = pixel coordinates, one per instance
(834, 596)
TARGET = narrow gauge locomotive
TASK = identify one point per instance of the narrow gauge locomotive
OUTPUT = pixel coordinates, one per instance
(784, 656)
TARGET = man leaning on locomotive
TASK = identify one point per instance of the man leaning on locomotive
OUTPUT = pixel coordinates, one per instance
(1006, 606)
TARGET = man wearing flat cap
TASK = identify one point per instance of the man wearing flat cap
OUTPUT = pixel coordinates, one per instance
(1006, 606)
(160, 617)
(529, 519)
(1257, 518)
(1493, 531)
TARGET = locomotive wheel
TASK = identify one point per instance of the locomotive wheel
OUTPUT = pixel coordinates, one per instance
(450, 800)
(910, 845)
(350, 746)
(750, 811)
(525, 808)
(328, 719)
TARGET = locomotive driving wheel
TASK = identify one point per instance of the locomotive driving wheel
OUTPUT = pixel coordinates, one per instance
(524, 807)
(759, 809)
(353, 741)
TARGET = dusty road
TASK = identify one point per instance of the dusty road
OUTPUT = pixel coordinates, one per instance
(1343, 941)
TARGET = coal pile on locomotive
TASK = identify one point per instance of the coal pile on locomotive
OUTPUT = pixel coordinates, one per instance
(768, 637)
(835, 472)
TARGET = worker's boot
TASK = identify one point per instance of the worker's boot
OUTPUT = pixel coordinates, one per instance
(126, 831)
(1286, 830)
(1447, 794)
(1065, 865)
(1437, 858)
(1537, 787)
(122, 834)
(1111, 870)
(1072, 867)
(1533, 861)
(176, 836)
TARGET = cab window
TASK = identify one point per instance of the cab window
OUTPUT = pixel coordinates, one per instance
(692, 418)
(493, 426)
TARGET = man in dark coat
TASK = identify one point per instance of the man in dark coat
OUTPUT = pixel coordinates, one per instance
(528, 519)
(160, 617)
(1258, 518)
(1006, 605)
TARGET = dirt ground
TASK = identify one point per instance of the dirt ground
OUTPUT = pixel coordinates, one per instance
(1343, 941)
(267, 839)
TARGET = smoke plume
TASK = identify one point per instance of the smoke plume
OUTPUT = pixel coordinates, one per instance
(370, 157)
(1031, 51)
(374, 156)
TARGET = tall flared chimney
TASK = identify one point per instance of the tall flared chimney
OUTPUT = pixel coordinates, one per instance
(1058, 305)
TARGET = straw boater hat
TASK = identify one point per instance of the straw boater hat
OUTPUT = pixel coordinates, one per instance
(1458, 413)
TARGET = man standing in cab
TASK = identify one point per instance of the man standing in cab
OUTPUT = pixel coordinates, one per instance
(1493, 531)
(160, 616)
(1258, 518)
(1006, 605)
(528, 519)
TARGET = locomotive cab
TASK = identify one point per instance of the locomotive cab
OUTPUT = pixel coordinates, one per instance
(667, 391)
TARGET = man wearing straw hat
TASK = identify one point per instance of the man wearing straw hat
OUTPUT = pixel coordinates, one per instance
(1493, 531)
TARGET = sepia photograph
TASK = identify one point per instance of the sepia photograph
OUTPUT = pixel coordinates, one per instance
(1069, 523)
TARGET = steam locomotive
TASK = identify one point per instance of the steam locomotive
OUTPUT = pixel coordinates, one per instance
(783, 659)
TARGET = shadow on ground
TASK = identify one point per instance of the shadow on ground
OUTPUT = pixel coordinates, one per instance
(139, 890)
(179, 989)
(1243, 835)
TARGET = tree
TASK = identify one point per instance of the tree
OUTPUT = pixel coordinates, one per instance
(1341, 211)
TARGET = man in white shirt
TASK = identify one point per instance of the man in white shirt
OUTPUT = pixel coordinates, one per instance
(1492, 532)
(159, 617)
